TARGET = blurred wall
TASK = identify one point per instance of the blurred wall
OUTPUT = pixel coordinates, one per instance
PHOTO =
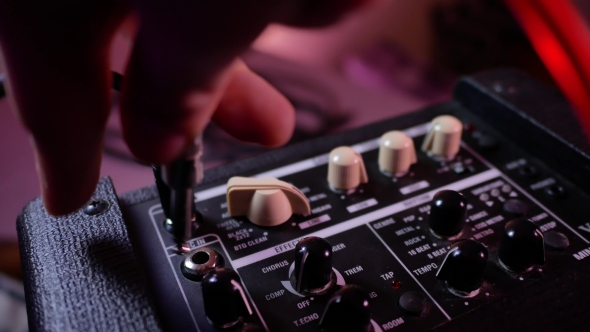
(405, 23)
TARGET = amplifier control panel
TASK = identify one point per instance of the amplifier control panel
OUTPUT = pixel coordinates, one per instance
(407, 231)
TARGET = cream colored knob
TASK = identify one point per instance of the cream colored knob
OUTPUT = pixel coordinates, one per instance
(396, 153)
(444, 138)
(265, 202)
(346, 169)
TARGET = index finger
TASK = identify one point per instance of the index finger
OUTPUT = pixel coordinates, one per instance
(56, 59)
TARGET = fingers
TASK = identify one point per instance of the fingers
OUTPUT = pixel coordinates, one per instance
(244, 105)
(59, 85)
(252, 110)
(179, 71)
(162, 111)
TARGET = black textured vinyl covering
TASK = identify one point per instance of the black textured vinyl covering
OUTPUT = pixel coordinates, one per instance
(139, 195)
(81, 270)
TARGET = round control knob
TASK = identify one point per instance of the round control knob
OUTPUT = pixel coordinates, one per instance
(515, 208)
(265, 201)
(521, 246)
(463, 267)
(447, 213)
(556, 240)
(444, 138)
(224, 298)
(312, 273)
(346, 169)
(413, 303)
(269, 208)
(347, 310)
(396, 153)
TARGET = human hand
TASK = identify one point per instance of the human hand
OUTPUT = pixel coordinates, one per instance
(183, 71)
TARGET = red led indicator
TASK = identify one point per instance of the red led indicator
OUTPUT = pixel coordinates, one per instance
(396, 284)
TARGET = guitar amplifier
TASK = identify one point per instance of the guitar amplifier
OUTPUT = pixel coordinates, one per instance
(488, 229)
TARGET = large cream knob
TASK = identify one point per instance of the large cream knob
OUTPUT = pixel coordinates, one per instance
(444, 138)
(346, 169)
(265, 202)
(396, 153)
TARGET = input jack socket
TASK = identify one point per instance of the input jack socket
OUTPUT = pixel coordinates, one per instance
(200, 262)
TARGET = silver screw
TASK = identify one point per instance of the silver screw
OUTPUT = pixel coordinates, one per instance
(96, 207)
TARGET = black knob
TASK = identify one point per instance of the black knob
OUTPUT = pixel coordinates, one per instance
(515, 208)
(413, 303)
(313, 273)
(224, 298)
(522, 246)
(347, 310)
(464, 266)
(447, 213)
